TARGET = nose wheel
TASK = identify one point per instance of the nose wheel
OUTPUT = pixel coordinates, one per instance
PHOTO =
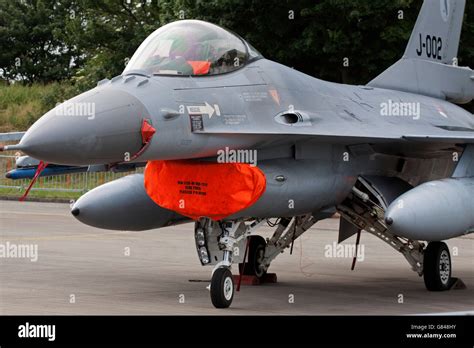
(222, 288)
(437, 267)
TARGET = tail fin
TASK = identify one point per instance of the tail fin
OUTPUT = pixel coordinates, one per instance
(437, 31)
(429, 65)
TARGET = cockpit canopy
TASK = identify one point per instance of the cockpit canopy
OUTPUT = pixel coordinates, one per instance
(193, 48)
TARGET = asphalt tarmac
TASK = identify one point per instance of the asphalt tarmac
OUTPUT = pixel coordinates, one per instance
(83, 270)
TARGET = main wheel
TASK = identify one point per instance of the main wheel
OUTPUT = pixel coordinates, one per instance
(222, 288)
(437, 266)
(256, 255)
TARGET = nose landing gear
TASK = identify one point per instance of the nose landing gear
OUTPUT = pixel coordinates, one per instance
(222, 244)
(229, 242)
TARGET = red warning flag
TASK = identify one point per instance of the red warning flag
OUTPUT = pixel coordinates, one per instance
(204, 189)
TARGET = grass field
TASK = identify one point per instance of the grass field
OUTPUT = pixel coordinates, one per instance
(40, 194)
(69, 186)
(21, 106)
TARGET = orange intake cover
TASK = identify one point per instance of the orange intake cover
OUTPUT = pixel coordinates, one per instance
(203, 189)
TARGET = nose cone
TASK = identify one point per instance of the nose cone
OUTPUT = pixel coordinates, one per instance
(99, 126)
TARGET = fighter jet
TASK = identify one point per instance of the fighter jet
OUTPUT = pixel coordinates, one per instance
(232, 140)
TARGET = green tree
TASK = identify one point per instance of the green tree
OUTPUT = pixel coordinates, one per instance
(316, 37)
(32, 44)
(108, 32)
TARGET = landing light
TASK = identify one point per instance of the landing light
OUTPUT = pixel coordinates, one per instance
(204, 256)
(200, 238)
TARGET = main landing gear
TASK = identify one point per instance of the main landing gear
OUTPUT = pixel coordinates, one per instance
(365, 211)
(437, 267)
(256, 254)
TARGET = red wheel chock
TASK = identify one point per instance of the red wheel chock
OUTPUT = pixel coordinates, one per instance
(269, 278)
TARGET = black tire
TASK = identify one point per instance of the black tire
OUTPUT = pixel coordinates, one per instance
(255, 254)
(222, 288)
(437, 267)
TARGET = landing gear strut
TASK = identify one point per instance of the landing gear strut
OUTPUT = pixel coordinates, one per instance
(220, 244)
(365, 210)
(437, 267)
